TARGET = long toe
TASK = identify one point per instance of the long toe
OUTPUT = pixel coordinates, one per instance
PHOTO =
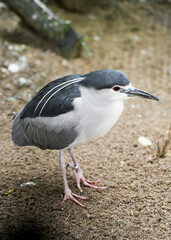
(87, 184)
(79, 187)
(73, 196)
(79, 177)
(92, 182)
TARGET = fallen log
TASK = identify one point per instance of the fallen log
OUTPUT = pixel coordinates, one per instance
(40, 19)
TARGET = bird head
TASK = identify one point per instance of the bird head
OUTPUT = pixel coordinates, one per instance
(125, 92)
(114, 83)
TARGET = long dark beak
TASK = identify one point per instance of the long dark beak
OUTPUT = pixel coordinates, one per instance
(139, 93)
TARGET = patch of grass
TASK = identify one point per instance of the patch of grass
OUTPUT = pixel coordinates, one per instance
(86, 47)
(135, 28)
(162, 147)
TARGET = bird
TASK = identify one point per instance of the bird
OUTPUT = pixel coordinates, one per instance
(74, 110)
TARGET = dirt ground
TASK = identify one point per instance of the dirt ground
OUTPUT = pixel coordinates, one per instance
(137, 201)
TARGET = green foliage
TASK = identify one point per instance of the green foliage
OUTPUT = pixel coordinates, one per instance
(86, 48)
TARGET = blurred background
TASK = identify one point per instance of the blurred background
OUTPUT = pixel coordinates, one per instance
(41, 41)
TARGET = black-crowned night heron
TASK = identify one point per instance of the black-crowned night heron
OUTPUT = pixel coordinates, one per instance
(74, 110)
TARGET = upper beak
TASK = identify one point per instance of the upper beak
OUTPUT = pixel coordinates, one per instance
(137, 92)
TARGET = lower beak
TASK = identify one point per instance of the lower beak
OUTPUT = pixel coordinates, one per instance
(137, 92)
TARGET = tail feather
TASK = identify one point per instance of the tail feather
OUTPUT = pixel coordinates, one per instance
(18, 135)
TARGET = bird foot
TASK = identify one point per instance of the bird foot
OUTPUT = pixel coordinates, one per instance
(87, 183)
(79, 177)
(72, 196)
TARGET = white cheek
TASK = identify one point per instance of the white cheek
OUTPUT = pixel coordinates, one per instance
(119, 96)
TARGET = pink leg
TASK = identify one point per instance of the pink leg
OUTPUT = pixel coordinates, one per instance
(79, 176)
(68, 193)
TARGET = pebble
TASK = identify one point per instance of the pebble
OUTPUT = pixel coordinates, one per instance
(22, 82)
(28, 184)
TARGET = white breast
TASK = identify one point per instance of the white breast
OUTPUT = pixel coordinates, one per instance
(98, 111)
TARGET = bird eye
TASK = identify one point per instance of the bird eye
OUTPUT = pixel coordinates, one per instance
(116, 88)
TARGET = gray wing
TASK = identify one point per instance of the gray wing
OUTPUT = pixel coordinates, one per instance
(45, 132)
(48, 120)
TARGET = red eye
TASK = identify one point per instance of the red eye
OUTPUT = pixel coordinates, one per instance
(116, 88)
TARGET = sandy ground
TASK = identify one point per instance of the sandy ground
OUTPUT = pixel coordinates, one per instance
(136, 203)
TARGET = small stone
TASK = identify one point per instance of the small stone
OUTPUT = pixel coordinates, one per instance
(28, 184)
(19, 48)
(24, 82)
(10, 99)
(96, 38)
(144, 141)
(143, 52)
(14, 67)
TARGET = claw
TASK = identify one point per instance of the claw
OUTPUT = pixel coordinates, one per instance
(73, 196)
(88, 181)
(79, 177)
(79, 187)
(87, 184)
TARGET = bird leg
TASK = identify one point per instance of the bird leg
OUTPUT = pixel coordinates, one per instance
(67, 191)
(79, 176)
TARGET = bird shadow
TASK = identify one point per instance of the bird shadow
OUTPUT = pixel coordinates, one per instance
(30, 211)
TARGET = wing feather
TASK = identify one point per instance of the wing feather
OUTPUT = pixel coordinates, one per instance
(51, 132)
(54, 99)
(56, 127)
